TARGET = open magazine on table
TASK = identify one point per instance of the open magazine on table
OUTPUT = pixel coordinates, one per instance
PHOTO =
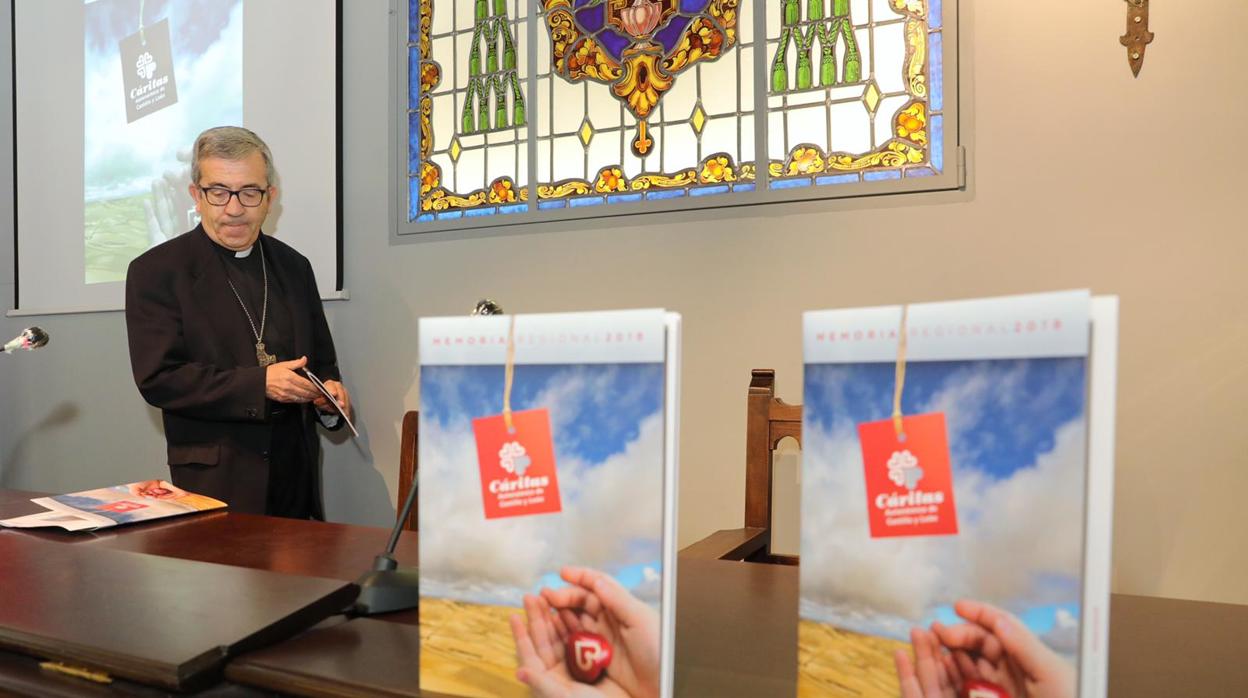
(113, 506)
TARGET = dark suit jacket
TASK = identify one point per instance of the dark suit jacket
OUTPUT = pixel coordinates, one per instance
(194, 357)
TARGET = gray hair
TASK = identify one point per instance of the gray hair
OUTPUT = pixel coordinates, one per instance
(229, 143)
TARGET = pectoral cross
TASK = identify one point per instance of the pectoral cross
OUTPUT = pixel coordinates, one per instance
(265, 358)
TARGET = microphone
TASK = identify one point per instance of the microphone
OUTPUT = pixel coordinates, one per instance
(486, 306)
(30, 338)
(388, 587)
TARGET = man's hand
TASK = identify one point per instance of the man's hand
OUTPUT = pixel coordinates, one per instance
(339, 391)
(282, 384)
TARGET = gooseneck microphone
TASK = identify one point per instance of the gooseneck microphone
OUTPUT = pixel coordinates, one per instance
(487, 306)
(388, 587)
(30, 338)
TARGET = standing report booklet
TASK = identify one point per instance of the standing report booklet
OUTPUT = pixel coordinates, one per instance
(957, 490)
(547, 503)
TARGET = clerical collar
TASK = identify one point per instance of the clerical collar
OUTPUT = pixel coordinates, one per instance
(235, 254)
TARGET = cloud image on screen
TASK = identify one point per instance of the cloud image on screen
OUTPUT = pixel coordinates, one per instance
(156, 73)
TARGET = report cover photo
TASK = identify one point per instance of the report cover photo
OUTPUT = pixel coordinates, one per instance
(543, 492)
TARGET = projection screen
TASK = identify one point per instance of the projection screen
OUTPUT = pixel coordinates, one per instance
(108, 98)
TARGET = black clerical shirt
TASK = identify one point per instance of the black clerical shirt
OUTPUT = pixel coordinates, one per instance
(290, 472)
(247, 275)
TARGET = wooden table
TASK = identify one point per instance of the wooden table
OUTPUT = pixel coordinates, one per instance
(736, 627)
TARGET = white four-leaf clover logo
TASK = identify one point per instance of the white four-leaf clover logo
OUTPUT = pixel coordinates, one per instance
(513, 458)
(904, 470)
(145, 66)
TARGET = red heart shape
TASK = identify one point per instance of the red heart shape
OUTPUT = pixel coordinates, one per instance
(588, 655)
(983, 689)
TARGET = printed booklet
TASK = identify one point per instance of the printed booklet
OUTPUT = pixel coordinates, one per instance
(547, 503)
(113, 506)
(957, 496)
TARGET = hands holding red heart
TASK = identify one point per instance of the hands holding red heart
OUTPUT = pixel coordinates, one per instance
(155, 489)
(993, 648)
(593, 604)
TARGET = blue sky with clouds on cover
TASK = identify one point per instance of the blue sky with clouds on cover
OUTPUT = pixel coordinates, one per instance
(607, 425)
(1024, 402)
(1016, 439)
(620, 396)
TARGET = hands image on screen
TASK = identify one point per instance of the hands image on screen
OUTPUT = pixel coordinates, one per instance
(171, 208)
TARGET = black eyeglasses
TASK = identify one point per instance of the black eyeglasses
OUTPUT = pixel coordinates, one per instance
(220, 196)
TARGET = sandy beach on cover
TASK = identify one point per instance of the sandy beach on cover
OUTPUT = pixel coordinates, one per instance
(467, 649)
(835, 662)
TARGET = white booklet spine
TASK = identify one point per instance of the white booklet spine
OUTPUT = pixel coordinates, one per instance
(671, 480)
(1098, 541)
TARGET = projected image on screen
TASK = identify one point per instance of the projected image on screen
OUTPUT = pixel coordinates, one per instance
(157, 72)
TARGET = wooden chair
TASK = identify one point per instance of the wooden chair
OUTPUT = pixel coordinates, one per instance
(768, 420)
(408, 448)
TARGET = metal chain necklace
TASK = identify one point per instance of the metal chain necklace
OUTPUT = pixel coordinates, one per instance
(263, 357)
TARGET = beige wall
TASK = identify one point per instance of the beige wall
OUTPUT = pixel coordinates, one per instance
(1081, 176)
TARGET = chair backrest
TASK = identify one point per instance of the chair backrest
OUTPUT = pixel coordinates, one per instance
(768, 420)
(408, 448)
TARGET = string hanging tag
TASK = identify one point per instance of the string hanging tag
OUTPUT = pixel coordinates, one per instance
(509, 374)
(899, 376)
(147, 82)
(905, 462)
(516, 453)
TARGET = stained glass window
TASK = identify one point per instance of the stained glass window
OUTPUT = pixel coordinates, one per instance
(646, 100)
(850, 90)
(468, 115)
(564, 108)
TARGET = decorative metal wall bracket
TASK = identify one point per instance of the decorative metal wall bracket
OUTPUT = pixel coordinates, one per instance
(1138, 36)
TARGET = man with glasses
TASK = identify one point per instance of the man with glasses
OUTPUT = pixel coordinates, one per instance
(222, 323)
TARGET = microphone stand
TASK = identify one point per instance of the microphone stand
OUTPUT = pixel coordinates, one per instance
(388, 587)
